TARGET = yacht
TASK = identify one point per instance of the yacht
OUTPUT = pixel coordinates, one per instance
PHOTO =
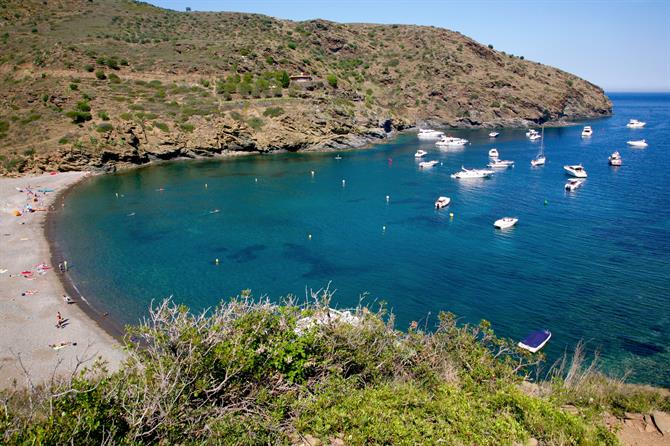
(615, 159)
(427, 164)
(493, 153)
(638, 143)
(535, 136)
(576, 170)
(442, 202)
(472, 173)
(573, 184)
(494, 134)
(420, 153)
(450, 141)
(540, 159)
(635, 124)
(500, 164)
(531, 132)
(505, 222)
(588, 131)
(430, 134)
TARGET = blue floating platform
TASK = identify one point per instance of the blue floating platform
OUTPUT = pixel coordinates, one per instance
(536, 340)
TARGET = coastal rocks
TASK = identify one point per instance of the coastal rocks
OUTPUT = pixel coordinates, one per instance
(662, 422)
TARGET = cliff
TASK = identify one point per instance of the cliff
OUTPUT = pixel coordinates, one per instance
(101, 84)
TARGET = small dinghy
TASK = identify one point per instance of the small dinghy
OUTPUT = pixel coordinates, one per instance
(635, 124)
(442, 202)
(615, 159)
(500, 164)
(493, 153)
(494, 134)
(535, 341)
(420, 153)
(573, 184)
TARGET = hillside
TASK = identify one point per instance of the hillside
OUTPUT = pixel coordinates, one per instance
(100, 84)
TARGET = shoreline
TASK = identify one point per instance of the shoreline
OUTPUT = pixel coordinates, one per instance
(107, 324)
(33, 350)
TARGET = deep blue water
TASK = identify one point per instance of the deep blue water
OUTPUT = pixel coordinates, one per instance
(592, 265)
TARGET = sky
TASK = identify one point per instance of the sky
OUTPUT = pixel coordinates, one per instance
(618, 45)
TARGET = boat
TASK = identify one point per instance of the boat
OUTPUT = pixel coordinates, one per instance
(638, 143)
(635, 124)
(442, 202)
(535, 340)
(427, 164)
(534, 136)
(430, 134)
(576, 170)
(420, 153)
(574, 184)
(472, 173)
(588, 131)
(493, 153)
(540, 159)
(451, 141)
(531, 132)
(500, 164)
(338, 157)
(505, 222)
(615, 159)
(494, 134)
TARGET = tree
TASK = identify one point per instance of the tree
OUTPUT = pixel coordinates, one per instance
(332, 80)
(188, 9)
(283, 78)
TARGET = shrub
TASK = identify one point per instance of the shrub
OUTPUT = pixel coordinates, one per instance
(292, 45)
(255, 123)
(283, 78)
(186, 127)
(104, 127)
(78, 117)
(113, 78)
(125, 116)
(332, 80)
(74, 87)
(100, 74)
(490, 46)
(29, 152)
(103, 115)
(569, 82)
(63, 140)
(4, 126)
(273, 112)
(162, 126)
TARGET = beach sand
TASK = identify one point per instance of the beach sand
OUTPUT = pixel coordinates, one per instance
(28, 325)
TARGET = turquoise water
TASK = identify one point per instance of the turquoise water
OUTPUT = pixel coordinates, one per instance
(592, 265)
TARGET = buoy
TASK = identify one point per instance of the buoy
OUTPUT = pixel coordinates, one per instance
(256, 180)
(216, 262)
(388, 198)
(205, 185)
(384, 228)
(546, 202)
(117, 195)
(451, 215)
(344, 182)
(312, 173)
(309, 236)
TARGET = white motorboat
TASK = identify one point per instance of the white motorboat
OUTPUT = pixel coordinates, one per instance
(442, 202)
(451, 141)
(430, 134)
(472, 173)
(531, 132)
(538, 160)
(534, 137)
(638, 143)
(500, 164)
(427, 164)
(420, 153)
(494, 134)
(635, 124)
(576, 170)
(493, 153)
(573, 184)
(505, 222)
(588, 131)
(615, 159)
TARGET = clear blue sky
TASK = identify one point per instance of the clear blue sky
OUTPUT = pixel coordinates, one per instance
(619, 45)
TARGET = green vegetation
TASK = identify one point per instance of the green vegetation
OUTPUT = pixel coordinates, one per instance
(162, 126)
(81, 113)
(254, 373)
(100, 74)
(332, 80)
(104, 127)
(273, 112)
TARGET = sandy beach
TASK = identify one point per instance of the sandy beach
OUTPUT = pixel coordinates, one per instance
(31, 292)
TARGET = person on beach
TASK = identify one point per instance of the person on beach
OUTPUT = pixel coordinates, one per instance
(65, 265)
(67, 299)
(59, 320)
(60, 267)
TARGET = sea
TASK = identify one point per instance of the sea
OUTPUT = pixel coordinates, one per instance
(591, 265)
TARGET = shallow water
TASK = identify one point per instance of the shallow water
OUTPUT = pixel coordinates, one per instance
(592, 265)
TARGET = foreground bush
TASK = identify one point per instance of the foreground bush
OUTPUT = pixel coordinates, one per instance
(253, 373)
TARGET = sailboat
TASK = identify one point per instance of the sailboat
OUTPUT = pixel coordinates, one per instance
(540, 159)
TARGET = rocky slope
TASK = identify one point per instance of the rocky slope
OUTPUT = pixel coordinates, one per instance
(101, 84)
